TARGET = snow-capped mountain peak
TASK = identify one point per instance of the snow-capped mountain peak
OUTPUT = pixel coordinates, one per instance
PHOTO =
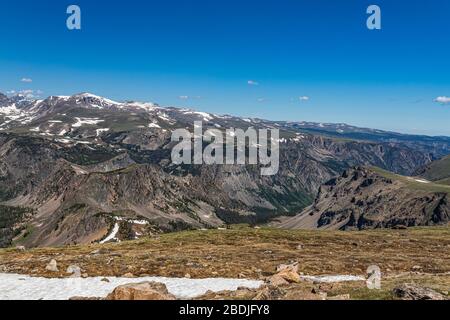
(94, 100)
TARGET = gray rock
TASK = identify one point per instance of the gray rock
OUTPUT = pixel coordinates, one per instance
(415, 292)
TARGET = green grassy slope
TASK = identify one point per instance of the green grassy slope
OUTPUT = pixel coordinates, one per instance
(412, 183)
(438, 170)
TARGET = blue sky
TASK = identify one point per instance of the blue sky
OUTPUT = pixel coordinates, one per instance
(203, 53)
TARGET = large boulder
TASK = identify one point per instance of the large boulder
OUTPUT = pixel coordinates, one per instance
(414, 292)
(290, 276)
(277, 280)
(141, 291)
(286, 272)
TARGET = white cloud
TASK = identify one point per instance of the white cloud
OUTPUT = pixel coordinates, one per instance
(189, 97)
(30, 94)
(27, 93)
(304, 98)
(27, 80)
(443, 100)
(261, 99)
(252, 83)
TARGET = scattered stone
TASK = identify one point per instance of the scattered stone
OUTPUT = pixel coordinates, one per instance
(105, 280)
(194, 265)
(413, 292)
(269, 293)
(115, 254)
(84, 275)
(300, 247)
(268, 252)
(85, 298)
(128, 275)
(99, 251)
(52, 266)
(187, 276)
(21, 248)
(323, 287)
(416, 268)
(141, 291)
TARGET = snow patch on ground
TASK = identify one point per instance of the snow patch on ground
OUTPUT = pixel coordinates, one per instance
(112, 235)
(148, 106)
(206, 116)
(418, 180)
(65, 141)
(154, 125)
(422, 180)
(20, 287)
(140, 222)
(88, 121)
(95, 101)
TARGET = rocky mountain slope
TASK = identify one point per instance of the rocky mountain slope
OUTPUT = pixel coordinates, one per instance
(84, 168)
(365, 198)
(438, 171)
(438, 146)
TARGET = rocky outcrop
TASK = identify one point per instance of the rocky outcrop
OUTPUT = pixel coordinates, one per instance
(141, 291)
(362, 198)
(414, 292)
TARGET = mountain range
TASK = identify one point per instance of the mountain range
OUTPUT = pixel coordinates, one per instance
(83, 168)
